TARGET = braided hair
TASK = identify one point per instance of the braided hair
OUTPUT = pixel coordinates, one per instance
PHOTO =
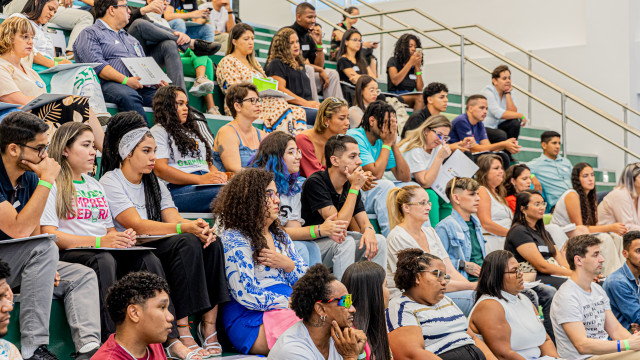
(401, 50)
(120, 124)
(378, 109)
(183, 135)
(588, 201)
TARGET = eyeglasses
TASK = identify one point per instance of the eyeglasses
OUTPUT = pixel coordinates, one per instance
(439, 274)
(296, 152)
(444, 138)
(375, 90)
(421, 203)
(27, 37)
(41, 150)
(518, 272)
(253, 100)
(274, 195)
(342, 301)
(118, 6)
(540, 204)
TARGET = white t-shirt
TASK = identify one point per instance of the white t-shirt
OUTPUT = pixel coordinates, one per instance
(418, 159)
(188, 164)
(42, 43)
(399, 239)
(560, 214)
(291, 209)
(123, 195)
(92, 216)
(217, 19)
(296, 344)
(572, 304)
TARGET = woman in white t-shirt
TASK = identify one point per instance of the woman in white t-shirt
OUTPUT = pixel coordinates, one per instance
(77, 212)
(191, 257)
(409, 209)
(183, 156)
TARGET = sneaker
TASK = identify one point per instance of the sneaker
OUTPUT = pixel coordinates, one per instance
(202, 86)
(214, 111)
(85, 355)
(42, 353)
(205, 48)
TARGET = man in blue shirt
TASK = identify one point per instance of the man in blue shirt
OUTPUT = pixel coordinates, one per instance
(503, 119)
(106, 43)
(379, 152)
(471, 124)
(552, 170)
(622, 286)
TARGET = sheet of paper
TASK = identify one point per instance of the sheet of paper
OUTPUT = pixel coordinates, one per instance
(29, 238)
(531, 284)
(63, 67)
(42, 100)
(275, 93)
(458, 164)
(133, 248)
(147, 69)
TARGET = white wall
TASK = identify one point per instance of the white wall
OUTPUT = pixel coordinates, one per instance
(596, 41)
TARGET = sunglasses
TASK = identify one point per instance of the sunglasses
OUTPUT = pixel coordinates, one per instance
(440, 275)
(342, 301)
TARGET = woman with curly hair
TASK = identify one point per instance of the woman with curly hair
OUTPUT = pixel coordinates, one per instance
(493, 211)
(261, 263)
(325, 307)
(366, 282)
(423, 322)
(279, 154)
(183, 156)
(192, 260)
(240, 65)
(285, 64)
(404, 70)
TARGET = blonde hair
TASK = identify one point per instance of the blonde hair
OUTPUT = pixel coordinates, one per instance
(398, 197)
(417, 138)
(8, 30)
(329, 107)
(281, 49)
(236, 33)
(65, 136)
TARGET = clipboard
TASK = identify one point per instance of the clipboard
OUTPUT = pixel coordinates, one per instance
(29, 238)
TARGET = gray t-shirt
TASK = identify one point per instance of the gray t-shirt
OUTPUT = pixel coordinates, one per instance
(123, 195)
(291, 209)
(572, 304)
(296, 344)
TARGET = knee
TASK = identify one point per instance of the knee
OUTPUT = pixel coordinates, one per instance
(348, 245)
(168, 47)
(48, 250)
(332, 74)
(188, 243)
(84, 18)
(104, 259)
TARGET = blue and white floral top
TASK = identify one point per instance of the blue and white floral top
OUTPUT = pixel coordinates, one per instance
(248, 282)
(8, 351)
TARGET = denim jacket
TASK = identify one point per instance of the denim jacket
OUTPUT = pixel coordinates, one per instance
(624, 295)
(454, 234)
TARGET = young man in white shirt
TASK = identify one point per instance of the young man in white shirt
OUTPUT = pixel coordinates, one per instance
(222, 19)
(581, 314)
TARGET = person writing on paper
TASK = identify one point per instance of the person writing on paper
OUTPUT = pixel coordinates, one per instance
(183, 156)
(107, 43)
(188, 251)
(240, 65)
(21, 84)
(286, 65)
(27, 175)
(404, 71)
(261, 263)
(77, 212)
(237, 142)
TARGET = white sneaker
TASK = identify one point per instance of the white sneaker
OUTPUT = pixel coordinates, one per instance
(202, 86)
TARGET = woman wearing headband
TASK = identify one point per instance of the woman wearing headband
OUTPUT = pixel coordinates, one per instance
(189, 253)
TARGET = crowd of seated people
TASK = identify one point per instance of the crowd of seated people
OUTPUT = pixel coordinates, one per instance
(290, 264)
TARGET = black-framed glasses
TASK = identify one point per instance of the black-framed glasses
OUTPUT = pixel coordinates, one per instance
(252, 100)
(439, 274)
(274, 195)
(444, 138)
(517, 272)
(41, 150)
(119, 6)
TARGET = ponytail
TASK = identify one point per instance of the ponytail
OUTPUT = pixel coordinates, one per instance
(396, 198)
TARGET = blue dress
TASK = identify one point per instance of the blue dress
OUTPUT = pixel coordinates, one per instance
(246, 153)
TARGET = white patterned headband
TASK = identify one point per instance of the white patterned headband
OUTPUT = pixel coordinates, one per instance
(130, 140)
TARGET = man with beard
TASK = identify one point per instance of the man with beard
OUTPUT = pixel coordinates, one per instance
(622, 285)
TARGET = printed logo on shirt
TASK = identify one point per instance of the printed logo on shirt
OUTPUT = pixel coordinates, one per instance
(191, 162)
(90, 205)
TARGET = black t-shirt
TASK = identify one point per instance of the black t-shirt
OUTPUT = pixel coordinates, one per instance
(297, 80)
(307, 44)
(318, 192)
(19, 197)
(415, 120)
(184, 5)
(409, 81)
(521, 234)
(344, 63)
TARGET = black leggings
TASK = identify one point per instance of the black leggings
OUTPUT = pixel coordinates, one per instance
(467, 352)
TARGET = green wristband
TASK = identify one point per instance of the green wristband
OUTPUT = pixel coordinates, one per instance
(626, 344)
(532, 176)
(46, 184)
(386, 147)
(319, 46)
(522, 118)
(419, 73)
(353, 191)
(313, 233)
(179, 228)
(98, 238)
(124, 82)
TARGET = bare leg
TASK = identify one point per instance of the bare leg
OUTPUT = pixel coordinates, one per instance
(185, 336)
(414, 101)
(179, 350)
(260, 347)
(209, 328)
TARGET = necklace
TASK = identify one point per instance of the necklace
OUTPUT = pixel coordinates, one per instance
(130, 354)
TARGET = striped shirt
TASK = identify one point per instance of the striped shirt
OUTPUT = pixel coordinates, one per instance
(99, 43)
(443, 325)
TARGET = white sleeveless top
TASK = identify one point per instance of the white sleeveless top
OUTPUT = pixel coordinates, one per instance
(560, 214)
(527, 332)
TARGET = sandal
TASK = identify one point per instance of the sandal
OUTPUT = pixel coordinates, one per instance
(209, 346)
(195, 348)
(190, 355)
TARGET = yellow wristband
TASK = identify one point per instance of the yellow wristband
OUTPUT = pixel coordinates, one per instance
(46, 184)
(386, 147)
(98, 238)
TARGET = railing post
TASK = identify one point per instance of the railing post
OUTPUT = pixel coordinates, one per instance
(462, 99)
(626, 137)
(563, 104)
(529, 80)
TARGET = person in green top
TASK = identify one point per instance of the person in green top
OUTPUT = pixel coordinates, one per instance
(461, 232)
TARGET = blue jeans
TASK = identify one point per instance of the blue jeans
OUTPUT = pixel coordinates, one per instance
(202, 32)
(126, 98)
(375, 201)
(464, 299)
(194, 199)
(309, 251)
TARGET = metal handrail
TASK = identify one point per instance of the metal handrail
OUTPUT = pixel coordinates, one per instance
(464, 41)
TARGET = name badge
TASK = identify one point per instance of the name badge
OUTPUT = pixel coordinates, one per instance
(356, 68)
(188, 6)
(137, 49)
(412, 76)
(543, 248)
(39, 84)
(305, 47)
